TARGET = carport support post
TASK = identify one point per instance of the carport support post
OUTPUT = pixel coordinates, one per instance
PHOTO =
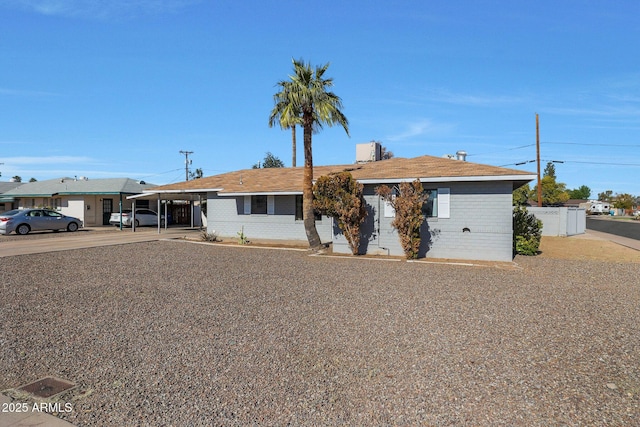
(159, 210)
(200, 206)
(133, 216)
(166, 211)
(120, 206)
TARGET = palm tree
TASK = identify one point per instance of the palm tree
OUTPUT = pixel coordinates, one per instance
(306, 96)
(285, 115)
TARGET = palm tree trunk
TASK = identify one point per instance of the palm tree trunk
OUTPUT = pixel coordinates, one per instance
(293, 145)
(307, 190)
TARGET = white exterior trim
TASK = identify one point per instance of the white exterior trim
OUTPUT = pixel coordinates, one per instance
(260, 193)
(271, 205)
(198, 190)
(389, 212)
(163, 194)
(247, 205)
(444, 203)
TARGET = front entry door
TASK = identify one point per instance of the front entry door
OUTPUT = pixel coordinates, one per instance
(107, 208)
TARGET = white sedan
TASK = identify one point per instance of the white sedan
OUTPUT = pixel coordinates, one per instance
(143, 217)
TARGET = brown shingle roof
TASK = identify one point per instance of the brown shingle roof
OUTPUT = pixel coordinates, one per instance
(282, 180)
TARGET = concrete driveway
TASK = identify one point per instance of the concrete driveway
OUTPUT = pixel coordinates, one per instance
(40, 242)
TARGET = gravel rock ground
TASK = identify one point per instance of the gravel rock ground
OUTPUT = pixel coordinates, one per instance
(175, 333)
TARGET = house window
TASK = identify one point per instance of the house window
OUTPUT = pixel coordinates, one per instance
(299, 215)
(437, 204)
(430, 206)
(259, 205)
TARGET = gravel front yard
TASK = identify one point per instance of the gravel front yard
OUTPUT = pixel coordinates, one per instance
(175, 333)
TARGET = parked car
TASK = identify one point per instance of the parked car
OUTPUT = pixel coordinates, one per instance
(23, 221)
(143, 217)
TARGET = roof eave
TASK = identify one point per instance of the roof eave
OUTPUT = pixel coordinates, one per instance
(180, 191)
(91, 193)
(261, 193)
(22, 196)
(171, 194)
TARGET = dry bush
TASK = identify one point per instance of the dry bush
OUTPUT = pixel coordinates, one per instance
(406, 199)
(340, 197)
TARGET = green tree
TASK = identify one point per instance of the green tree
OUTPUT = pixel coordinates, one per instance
(406, 199)
(606, 196)
(270, 161)
(527, 232)
(552, 192)
(341, 197)
(17, 178)
(286, 114)
(32, 180)
(623, 201)
(550, 170)
(582, 193)
(307, 92)
(521, 195)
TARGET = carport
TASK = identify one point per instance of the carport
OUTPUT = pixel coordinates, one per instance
(162, 197)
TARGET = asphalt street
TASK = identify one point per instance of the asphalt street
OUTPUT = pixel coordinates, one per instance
(628, 229)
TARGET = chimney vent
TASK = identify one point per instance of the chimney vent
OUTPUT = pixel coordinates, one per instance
(461, 155)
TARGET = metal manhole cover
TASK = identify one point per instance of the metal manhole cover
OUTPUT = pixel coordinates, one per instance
(47, 387)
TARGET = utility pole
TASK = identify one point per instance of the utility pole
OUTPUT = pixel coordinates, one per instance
(538, 160)
(187, 162)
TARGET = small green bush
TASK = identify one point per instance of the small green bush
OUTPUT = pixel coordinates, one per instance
(242, 238)
(527, 231)
(526, 246)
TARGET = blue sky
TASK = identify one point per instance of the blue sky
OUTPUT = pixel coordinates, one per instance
(118, 88)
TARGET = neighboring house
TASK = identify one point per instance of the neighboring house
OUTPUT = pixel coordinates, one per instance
(7, 202)
(576, 203)
(91, 200)
(468, 214)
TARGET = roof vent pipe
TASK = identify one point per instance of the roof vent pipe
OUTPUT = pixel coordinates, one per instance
(461, 155)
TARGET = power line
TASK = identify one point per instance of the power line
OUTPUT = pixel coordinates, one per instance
(162, 173)
(603, 163)
(572, 161)
(557, 143)
(501, 151)
(590, 144)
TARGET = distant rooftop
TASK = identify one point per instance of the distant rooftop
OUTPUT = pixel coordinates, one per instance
(68, 186)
